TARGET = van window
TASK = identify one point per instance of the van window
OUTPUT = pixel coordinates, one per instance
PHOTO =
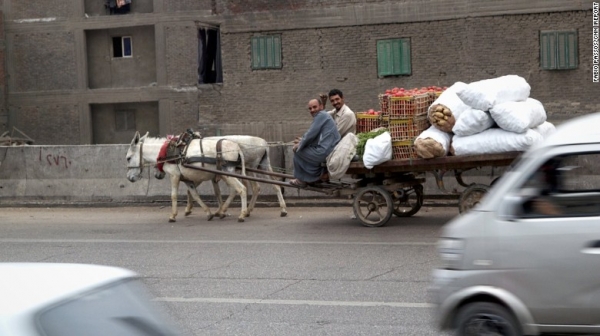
(566, 185)
(122, 308)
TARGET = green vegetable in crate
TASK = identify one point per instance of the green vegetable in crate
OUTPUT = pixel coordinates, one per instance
(363, 137)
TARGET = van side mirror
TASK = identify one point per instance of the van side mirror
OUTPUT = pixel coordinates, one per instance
(511, 207)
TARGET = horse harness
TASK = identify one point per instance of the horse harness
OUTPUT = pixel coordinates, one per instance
(174, 151)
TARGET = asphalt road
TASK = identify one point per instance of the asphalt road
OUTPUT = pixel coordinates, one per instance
(315, 272)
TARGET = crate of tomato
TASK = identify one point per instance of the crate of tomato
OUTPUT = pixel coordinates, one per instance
(369, 120)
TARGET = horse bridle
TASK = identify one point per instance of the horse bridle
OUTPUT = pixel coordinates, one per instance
(141, 164)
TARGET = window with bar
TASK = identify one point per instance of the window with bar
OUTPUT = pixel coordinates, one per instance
(558, 50)
(266, 52)
(393, 57)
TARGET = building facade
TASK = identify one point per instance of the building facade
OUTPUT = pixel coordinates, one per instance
(94, 71)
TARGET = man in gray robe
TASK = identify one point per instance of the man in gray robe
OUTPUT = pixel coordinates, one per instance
(316, 144)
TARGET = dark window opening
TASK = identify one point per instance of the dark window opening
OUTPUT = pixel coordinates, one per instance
(122, 46)
(209, 56)
(116, 7)
(125, 120)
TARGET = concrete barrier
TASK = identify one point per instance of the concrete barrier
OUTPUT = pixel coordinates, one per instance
(97, 174)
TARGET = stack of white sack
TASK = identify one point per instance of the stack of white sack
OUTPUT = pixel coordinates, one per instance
(503, 101)
(494, 140)
(484, 94)
(519, 116)
(447, 108)
(472, 121)
(432, 143)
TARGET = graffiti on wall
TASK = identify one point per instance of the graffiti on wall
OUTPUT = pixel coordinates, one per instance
(55, 160)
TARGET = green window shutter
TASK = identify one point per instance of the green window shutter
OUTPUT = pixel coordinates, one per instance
(571, 52)
(384, 58)
(405, 61)
(393, 57)
(548, 50)
(558, 50)
(266, 52)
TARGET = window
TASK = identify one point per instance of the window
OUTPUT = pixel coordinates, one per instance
(266, 52)
(209, 56)
(125, 120)
(393, 57)
(569, 185)
(122, 46)
(119, 308)
(558, 50)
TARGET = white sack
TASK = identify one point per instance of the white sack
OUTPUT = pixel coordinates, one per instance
(472, 121)
(432, 143)
(378, 150)
(545, 129)
(518, 117)
(341, 156)
(484, 94)
(494, 140)
(448, 99)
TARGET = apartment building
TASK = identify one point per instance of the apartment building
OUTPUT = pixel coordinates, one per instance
(94, 71)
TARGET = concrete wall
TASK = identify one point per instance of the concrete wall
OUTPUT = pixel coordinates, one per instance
(97, 174)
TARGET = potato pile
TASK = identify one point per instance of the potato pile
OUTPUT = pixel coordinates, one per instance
(441, 117)
(428, 148)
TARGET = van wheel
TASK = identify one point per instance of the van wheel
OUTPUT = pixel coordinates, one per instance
(485, 318)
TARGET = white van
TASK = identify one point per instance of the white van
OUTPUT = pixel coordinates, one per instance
(526, 260)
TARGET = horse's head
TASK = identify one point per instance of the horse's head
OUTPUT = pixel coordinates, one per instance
(135, 159)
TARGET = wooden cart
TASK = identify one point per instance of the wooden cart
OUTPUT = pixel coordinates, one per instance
(395, 187)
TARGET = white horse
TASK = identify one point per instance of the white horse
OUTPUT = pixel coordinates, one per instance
(256, 154)
(144, 150)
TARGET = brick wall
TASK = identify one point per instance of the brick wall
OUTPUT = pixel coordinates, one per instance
(44, 61)
(443, 52)
(40, 9)
(184, 115)
(49, 124)
(182, 54)
(245, 6)
(189, 5)
(3, 109)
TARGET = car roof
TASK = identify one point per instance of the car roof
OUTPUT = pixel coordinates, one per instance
(29, 286)
(579, 130)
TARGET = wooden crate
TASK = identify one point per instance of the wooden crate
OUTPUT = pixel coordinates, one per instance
(407, 129)
(367, 122)
(403, 150)
(408, 107)
(384, 104)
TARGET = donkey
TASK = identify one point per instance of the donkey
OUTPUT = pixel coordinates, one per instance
(256, 154)
(144, 150)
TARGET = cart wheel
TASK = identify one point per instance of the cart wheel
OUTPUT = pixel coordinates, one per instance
(471, 196)
(408, 201)
(373, 206)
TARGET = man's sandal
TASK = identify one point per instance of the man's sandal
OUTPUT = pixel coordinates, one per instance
(298, 183)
